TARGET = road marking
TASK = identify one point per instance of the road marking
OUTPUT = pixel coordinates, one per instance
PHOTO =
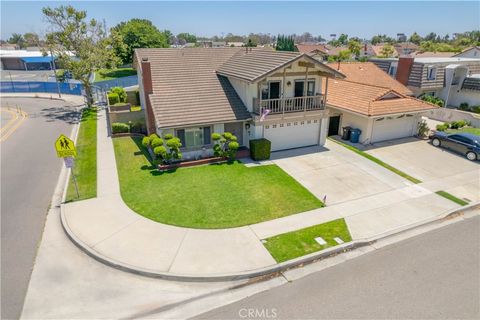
(11, 121)
(8, 132)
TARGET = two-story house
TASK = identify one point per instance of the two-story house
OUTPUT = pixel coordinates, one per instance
(253, 93)
(449, 78)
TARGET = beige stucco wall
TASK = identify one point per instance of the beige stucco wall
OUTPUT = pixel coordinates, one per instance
(356, 121)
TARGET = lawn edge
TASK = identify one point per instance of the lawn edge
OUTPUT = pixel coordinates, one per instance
(378, 161)
(452, 198)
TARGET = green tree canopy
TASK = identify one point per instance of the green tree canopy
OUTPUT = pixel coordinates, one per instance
(387, 51)
(415, 38)
(285, 43)
(355, 47)
(137, 33)
(72, 33)
(17, 39)
(187, 37)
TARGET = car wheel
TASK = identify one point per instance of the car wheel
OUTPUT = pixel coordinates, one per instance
(436, 142)
(471, 156)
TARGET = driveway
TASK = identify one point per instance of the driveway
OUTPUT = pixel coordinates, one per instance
(438, 168)
(336, 173)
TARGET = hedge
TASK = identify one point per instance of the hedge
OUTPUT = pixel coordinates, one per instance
(118, 127)
(260, 149)
(113, 98)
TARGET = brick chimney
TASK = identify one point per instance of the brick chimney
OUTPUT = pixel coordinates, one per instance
(403, 69)
(147, 90)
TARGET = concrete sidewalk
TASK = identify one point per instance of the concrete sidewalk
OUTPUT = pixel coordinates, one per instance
(107, 229)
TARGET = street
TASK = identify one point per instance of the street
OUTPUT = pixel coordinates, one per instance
(30, 171)
(433, 275)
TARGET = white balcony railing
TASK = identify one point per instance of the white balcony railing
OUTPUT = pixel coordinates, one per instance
(286, 105)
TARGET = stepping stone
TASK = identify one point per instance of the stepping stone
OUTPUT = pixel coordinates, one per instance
(320, 241)
(338, 240)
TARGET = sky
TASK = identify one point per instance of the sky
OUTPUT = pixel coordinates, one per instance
(355, 18)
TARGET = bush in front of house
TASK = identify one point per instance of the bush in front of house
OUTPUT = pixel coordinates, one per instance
(422, 129)
(152, 136)
(434, 100)
(225, 145)
(260, 149)
(168, 136)
(464, 106)
(137, 127)
(156, 142)
(113, 99)
(122, 94)
(458, 124)
(442, 127)
(146, 142)
(119, 127)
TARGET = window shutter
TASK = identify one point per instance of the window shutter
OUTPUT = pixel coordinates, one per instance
(206, 135)
(181, 136)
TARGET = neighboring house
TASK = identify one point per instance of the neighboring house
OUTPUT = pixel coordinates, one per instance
(317, 51)
(472, 52)
(235, 44)
(451, 79)
(405, 48)
(368, 99)
(195, 92)
(428, 54)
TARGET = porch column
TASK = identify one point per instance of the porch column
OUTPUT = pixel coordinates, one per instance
(283, 91)
(305, 86)
(326, 91)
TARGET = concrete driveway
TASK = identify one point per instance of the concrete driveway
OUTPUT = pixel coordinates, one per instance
(336, 173)
(438, 168)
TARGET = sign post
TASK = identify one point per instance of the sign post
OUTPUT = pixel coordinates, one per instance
(65, 148)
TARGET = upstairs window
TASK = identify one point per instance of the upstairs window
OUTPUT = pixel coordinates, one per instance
(431, 73)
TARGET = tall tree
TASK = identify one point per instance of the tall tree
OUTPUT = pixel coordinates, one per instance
(387, 51)
(285, 43)
(31, 39)
(415, 38)
(17, 39)
(137, 33)
(189, 38)
(355, 47)
(72, 33)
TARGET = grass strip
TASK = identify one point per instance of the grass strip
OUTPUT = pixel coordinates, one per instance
(451, 197)
(301, 242)
(85, 168)
(377, 161)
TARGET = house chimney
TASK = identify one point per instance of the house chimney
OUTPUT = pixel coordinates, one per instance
(147, 90)
(403, 69)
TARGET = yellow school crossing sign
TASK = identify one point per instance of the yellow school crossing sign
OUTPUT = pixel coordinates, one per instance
(65, 147)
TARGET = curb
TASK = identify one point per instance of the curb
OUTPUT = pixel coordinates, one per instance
(261, 272)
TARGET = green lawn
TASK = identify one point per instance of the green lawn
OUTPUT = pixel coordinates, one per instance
(475, 131)
(377, 161)
(298, 243)
(109, 74)
(451, 197)
(85, 168)
(210, 196)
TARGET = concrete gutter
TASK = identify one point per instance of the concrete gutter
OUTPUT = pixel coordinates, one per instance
(261, 272)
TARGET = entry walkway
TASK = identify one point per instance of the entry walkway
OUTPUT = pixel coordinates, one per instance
(106, 227)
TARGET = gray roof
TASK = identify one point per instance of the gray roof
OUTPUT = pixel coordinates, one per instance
(187, 90)
(258, 63)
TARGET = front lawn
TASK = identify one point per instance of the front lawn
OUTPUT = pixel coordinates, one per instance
(109, 74)
(211, 196)
(298, 243)
(475, 131)
(85, 168)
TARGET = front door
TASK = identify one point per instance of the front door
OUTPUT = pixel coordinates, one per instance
(333, 126)
(274, 90)
(298, 89)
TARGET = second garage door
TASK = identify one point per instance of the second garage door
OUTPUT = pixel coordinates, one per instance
(293, 134)
(390, 128)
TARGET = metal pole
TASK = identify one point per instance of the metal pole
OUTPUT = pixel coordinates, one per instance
(55, 72)
(74, 182)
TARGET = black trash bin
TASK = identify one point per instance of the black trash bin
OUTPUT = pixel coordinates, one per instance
(346, 133)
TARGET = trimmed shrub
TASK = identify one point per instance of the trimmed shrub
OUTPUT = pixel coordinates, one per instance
(434, 100)
(168, 136)
(153, 136)
(216, 136)
(160, 151)
(442, 127)
(475, 109)
(146, 142)
(464, 106)
(260, 149)
(113, 99)
(458, 124)
(119, 127)
(137, 96)
(122, 94)
(157, 142)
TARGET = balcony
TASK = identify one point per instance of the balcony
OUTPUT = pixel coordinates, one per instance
(287, 105)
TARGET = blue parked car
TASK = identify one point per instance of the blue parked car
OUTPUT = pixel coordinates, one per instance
(463, 143)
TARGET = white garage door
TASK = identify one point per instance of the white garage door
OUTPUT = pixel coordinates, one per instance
(389, 128)
(293, 134)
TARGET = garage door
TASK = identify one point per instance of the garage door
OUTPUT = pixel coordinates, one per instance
(295, 134)
(389, 128)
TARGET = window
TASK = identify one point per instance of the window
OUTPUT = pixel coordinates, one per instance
(194, 137)
(281, 125)
(431, 73)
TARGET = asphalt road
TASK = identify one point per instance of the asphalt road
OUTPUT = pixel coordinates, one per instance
(29, 173)
(435, 275)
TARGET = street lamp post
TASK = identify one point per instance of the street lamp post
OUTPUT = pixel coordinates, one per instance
(55, 73)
